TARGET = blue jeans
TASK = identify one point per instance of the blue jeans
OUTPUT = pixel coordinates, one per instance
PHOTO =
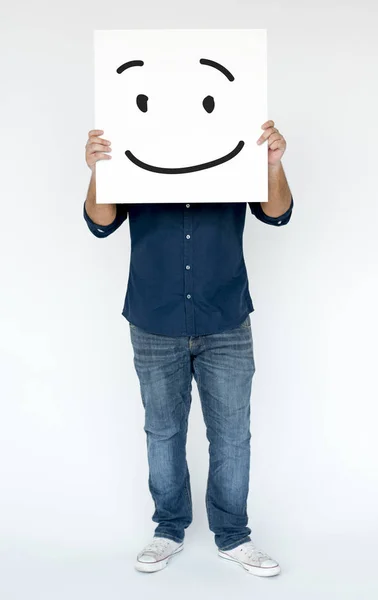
(223, 367)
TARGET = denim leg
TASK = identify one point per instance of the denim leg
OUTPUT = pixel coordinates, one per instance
(223, 369)
(163, 366)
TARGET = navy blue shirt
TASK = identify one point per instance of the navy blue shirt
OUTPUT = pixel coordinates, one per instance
(187, 273)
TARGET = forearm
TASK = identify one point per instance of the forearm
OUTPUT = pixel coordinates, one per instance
(279, 194)
(101, 214)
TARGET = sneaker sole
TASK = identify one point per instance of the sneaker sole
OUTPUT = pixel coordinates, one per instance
(259, 571)
(147, 567)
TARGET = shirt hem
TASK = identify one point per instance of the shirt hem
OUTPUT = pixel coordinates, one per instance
(233, 325)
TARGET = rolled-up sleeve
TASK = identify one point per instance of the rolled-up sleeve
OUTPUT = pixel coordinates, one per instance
(278, 221)
(101, 231)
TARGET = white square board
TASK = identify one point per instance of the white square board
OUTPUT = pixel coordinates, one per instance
(183, 110)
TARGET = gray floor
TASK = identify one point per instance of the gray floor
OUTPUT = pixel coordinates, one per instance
(311, 569)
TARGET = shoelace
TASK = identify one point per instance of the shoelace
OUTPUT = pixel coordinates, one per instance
(156, 546)
(252, 552)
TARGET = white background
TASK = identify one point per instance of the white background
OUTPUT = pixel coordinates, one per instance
(74, 505)
(176, 131)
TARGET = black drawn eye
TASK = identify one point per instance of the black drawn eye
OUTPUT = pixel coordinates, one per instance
(141, 101)
(208, 104)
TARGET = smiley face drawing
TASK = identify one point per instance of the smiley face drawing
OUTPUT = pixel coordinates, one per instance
(208, 105)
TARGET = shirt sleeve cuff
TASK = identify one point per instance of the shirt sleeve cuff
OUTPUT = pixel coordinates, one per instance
(283, 219)
(105, 230)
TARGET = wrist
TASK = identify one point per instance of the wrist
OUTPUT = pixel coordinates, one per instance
(275, 168)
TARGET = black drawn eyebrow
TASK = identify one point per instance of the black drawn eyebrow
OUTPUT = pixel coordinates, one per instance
(221, 68)
(130, 63)
(203, 61)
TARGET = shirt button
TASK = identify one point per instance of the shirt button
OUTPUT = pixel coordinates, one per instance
(187, 267)
(188, 237)
(279, 222)
(188, 296)
(187, 206)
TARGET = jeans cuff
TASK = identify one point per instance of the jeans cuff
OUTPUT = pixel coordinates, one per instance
(169, 536)
(235, 544)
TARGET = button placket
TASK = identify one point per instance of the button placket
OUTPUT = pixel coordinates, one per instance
(187, 265)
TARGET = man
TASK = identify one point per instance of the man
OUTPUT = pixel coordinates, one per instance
(188, 307)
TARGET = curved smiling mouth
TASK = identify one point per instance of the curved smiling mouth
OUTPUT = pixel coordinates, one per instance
(192, 169)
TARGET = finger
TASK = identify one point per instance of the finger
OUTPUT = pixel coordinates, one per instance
(97, 147)
(267, 124)
(95, 132)
(274, 137)
(264, 136)
(100, 156)
(278, 145)
(98, 140)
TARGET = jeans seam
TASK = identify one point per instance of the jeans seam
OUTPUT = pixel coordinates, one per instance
(208, 510)
(187, 487)
(187, 470)
(188, 494)
(207, 485)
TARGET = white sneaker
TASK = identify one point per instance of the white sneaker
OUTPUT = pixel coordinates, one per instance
(252, 560)
(155, 556)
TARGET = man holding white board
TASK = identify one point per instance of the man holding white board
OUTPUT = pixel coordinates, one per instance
(187, 301)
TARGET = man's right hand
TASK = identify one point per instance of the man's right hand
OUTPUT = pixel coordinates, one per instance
(96, 148)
